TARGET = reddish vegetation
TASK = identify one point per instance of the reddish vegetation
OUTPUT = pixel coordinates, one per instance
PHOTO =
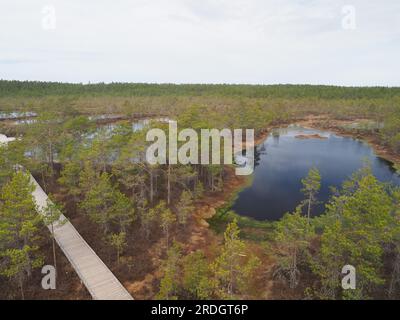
(142, 273)
(310, 136)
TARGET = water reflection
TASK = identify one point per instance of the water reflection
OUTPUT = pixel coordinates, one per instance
(282, 160)
(16, 115)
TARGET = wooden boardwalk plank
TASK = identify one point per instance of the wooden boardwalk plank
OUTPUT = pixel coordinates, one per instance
(98, 279)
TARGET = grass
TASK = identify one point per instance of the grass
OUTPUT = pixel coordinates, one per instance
(251, 229)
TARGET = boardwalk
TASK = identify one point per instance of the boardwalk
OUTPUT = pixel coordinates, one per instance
(98, 279)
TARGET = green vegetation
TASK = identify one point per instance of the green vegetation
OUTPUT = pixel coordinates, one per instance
(100, 174)
(19, 228)
(359, 227)
(169, 283)
(230, 275)
(43, 89)
(51, 216)
(292, 235)
(311, 186)
(251, 229)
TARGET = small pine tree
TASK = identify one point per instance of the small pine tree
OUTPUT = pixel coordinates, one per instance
(70, 178)
(19, 229)
(118, 241)
(292, 234)
(197, 280)
(227, 265)
(172, 274)
(311, 186)
(52, 213)
(184, 207)
(167, 220)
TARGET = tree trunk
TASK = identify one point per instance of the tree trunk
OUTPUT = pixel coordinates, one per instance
(21, 286)
(293, 270)
(151, 187)
(309, 209)
(230, 285)
(28, 268)
(395, 276)
(54, 248)
(167, 234)
(156, 185)
(169, 185)
(51, 160)
(44, 181)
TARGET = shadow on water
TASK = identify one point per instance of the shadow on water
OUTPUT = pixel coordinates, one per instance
(282, 160)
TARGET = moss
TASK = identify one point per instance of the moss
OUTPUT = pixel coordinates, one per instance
(251, 229)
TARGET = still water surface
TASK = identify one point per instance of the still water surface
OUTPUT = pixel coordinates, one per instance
(282, 160)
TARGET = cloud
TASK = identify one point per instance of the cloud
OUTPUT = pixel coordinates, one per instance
(208, 41)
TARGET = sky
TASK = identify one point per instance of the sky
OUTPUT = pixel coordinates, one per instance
(350, 43)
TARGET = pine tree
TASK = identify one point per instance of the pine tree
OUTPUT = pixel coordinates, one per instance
(311, 186)
(359, 224)
(197, 277)
(227, 265)
(98, 202)
(52, 213)
(172, 274)
(198, 190)
(167, 219)
(106, 205)
(19, 229)
(395, 275)
(45, 135)
(118, 241)
(87, 179)
(10, 154)
(292, 235)
(122, 211)
(70, 179)
(249, 276)
(184, 207)
(148, 216)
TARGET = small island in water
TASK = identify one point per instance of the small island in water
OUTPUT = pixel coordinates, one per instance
(310, 136)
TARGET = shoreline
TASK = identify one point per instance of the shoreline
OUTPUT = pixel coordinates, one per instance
(309, 122)
(380, 150)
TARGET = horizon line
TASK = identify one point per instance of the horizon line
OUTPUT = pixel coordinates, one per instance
(204, 83)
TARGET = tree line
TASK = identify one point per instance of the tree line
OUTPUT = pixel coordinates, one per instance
(43, 89)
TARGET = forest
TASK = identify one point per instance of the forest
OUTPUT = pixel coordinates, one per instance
(166, 231)
(43, 89)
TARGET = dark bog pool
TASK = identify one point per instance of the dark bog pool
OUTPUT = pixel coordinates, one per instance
(283, 159)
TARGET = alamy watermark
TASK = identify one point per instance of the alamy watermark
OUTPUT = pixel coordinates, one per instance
(349, 280)
(49, 20)
(49, 280)
(349, 17)
(188, 153)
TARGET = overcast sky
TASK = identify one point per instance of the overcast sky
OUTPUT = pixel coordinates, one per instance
(202, 41)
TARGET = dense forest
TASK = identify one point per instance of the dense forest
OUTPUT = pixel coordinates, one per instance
(43, 89)
(142, 218)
